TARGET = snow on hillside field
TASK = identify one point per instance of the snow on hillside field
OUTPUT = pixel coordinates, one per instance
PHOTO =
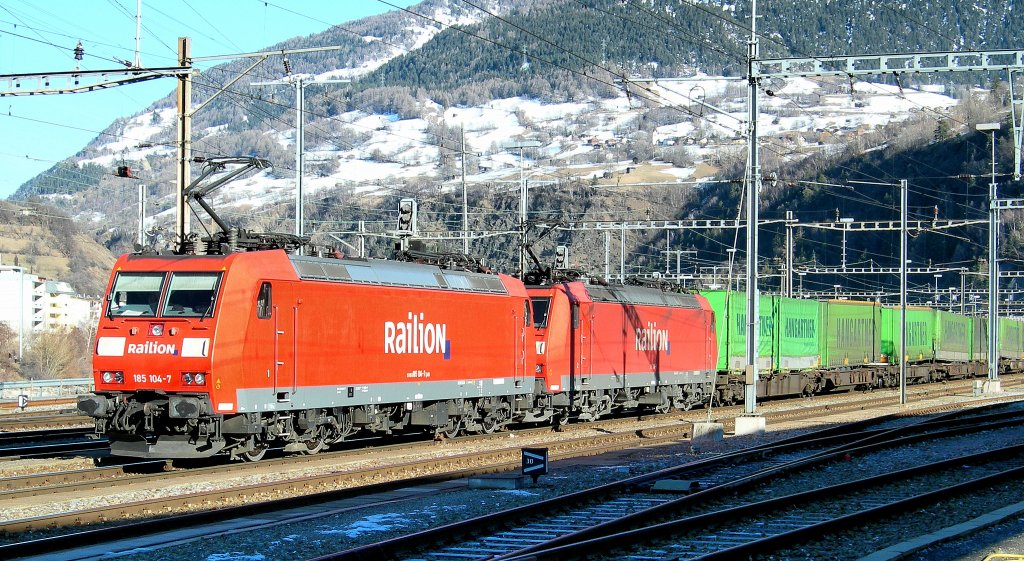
(708, 118)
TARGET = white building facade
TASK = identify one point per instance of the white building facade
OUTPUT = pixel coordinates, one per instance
(30, 304)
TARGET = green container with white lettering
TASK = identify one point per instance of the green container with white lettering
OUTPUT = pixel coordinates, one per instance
(954, 335)
(788, 332)
(851, 333)
(920, 334)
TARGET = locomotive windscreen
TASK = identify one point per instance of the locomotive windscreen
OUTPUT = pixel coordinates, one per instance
(136, 294)
(191, 294)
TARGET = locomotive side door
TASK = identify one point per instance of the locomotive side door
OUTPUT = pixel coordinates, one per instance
(279, 321)
(519, 326)
(286, 320)
(586, 341)
(582, 322)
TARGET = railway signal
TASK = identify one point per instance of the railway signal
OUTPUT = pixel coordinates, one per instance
(561, 257)
(407, 216)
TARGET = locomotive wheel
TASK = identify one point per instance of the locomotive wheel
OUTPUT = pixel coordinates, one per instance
(451, 430)
(488, 425)
(315, 444)
(257, 453)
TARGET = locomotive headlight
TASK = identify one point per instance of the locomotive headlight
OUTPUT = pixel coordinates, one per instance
(108, 377)
(156, 329)
(119, 377)
(193, 378)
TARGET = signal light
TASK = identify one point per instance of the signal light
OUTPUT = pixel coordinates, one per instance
(561, 257)
(407, 216)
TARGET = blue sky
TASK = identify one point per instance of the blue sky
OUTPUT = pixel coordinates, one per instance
(36, 37)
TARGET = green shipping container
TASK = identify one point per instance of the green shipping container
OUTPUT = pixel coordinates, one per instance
(920, 332)
(1011, 343)
(953, 336)
(979, 342)
(731, 329)
(851, 333)
(799, 325)
(788, 332)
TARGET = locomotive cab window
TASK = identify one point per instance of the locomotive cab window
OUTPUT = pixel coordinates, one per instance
(136, 294)
(540, 311)
(191, 295)
(263, 301)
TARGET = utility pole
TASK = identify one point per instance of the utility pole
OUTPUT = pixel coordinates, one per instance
(465, 196)
(993, 267)
(182, 216)
(523, 199)
(607, 254)
(138, 34)
(142, 216)
(789, 254)
(300, 84)
(903, 291)
(751, 422)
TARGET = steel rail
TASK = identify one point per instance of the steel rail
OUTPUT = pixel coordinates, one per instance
(755, 462)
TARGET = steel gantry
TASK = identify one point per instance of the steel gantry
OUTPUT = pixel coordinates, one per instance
(1010, 61)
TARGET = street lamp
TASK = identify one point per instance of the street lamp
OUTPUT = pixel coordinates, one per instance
(993, 265)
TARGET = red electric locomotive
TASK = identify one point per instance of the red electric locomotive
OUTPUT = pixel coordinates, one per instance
(200, 355)
(604, 348)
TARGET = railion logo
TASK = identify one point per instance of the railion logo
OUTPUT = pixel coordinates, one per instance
(152, 348)
(416, 336)
(651, 338)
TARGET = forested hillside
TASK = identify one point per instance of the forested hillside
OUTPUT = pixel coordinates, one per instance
(556, 67)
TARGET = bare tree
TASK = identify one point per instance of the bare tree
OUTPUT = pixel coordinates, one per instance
(59, 353)
(8, 353)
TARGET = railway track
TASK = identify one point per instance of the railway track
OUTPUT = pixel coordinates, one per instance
(133, 473)
(372, 480)
(41, 421)
(550, 529)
